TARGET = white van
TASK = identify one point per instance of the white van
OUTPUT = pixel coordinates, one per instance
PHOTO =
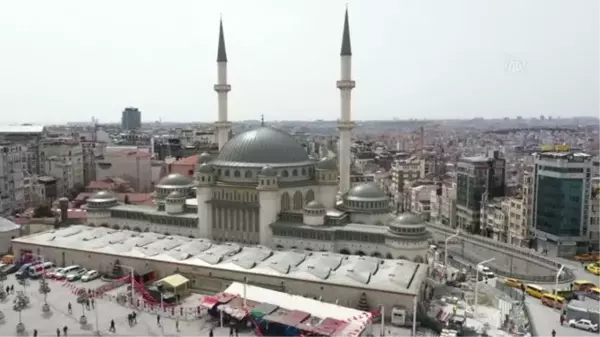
(39, 269)
(485, 271)
(65, 271)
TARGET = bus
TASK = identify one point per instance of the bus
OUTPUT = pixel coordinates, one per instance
(553, 301)
(534, 290)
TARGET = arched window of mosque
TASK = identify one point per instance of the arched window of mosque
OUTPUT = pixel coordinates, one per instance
(227, 173)
(303, 171)
(262, 181)
(248, 174)
(219, 172)
(285, 174)
(294, 173)
(298, 200)
(285, 201)
(202, 178)
(310, 195)
(237, 174)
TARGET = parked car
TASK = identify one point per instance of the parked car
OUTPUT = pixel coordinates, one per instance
(76, 275)
(54, 272)
(66, 271)
(513, 282)
(10, 268)
(593, 268)
(583, 324)
(90, 275)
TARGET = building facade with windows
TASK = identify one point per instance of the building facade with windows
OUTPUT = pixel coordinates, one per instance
(562, 202)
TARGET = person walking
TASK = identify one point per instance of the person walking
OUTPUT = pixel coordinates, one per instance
(34, 332)
(112, 326)
(93, 303)
(553, 333)
(158, 319)
(12, 288)
(69, 308)
(65, 330)
(177, 324)
(57, 332)
(211, 333)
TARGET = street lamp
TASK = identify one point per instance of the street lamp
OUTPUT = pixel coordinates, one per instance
(562, 266)
(131, 269)
(477, 282)
(446, 247)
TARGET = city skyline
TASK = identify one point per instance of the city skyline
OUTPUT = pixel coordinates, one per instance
(163, 60)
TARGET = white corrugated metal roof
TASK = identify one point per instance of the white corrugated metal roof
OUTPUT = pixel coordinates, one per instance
(7, 225)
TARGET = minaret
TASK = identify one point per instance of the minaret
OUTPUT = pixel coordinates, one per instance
(223, 126)
(345, 124)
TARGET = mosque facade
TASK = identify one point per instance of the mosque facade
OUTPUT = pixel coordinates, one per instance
(264, 188)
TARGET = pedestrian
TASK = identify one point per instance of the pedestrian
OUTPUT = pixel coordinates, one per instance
(134, 316)
(65, 330)
(87, 304)
(69, 308)
(230, 331)
(562, 319)
(93, 303)
(12, 288)
(57, 332)
(158, 319)
(553, 333)
(112, 326)
(7, 290)
(177, 324)
(34, 332)
(237, 332)
(211, 333)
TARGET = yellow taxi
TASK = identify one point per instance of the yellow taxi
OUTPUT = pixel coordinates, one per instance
(513, 282)
(593, 268)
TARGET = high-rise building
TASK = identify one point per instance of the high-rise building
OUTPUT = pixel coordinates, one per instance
(477, 178)
(131, 119)
(562, 198)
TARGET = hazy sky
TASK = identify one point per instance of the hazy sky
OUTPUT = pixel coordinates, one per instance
(70, 60)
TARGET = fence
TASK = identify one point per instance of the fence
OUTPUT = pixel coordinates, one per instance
(522, 320)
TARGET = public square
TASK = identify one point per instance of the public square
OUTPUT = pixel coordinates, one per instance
(105, 310)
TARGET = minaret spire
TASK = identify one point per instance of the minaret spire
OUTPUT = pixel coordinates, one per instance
(346, 45)
(221, 53)
(222, 126)
(345, 123)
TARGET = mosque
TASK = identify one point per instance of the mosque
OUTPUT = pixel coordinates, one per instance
(263, 188)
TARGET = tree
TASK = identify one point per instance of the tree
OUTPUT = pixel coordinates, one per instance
(117, 269)
(83, 298)
(363, 303)
(43, 211)
(45, 289)
(20, 303)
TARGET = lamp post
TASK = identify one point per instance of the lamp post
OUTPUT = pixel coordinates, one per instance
(477, 282)
(446, 247)
(131, 269)
(560, 270)
(414, 320)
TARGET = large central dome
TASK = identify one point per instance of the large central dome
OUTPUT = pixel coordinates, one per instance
(264, 145)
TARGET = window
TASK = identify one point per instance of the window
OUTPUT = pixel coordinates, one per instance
(248, 174)
(236, 174)
(284, 173)
(227, 173)
(294, 173)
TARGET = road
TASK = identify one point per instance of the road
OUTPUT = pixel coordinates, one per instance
(545, 319)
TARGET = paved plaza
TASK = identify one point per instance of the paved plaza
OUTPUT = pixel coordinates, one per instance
(60, 296)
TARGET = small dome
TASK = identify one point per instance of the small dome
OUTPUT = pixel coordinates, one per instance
(175, 180)
(206, 168)
(314, 205)
(366, 191)
(102, 196)
(408, 219)
(327, 163)
(175, 195)
(204, 158)
(268, 171)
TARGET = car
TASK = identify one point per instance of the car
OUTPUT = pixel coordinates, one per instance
(513, 282)
(583, 324)
(75, 275)
(593, 268)
(10, 269)
(90, 275)
(66, 271)
(587, 257)
(52, 273)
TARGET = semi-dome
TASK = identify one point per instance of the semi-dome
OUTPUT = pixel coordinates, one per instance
(175, 180)
(314, 205)
(327, 163)
(205, 157)
(264, 145)
(268, 171)
(366, 192)
(409, 219)
(206, 168)
(102, 196)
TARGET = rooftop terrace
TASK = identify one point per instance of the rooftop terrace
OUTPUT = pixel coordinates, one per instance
(399, 276)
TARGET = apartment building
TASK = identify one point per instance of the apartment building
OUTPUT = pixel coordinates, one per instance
(443, 204)
(34, 191)
(13, 158)
(131, 119)
(62, 170)
(29, 136)
(518, 226)
(69, 151)
(595, 218)
(494, 218)
(477, 178)
(562, 202)
(420, 200)
(130, 163)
